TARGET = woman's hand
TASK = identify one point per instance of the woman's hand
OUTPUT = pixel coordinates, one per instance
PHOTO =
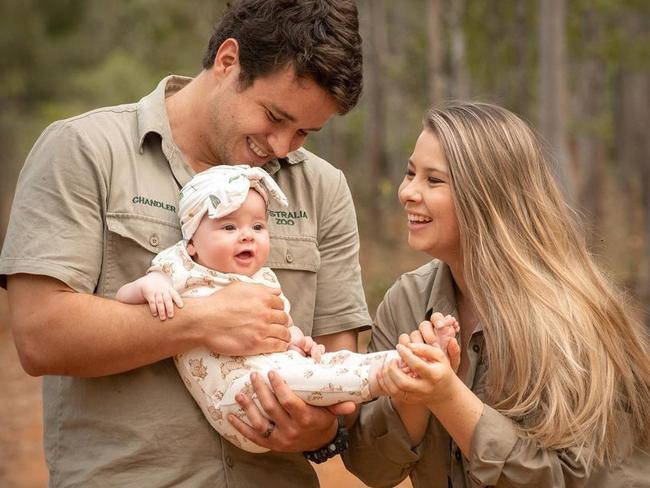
(440, 331)
(428, 380)
(413, 410)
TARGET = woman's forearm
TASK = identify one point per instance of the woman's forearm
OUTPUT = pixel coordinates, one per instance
(459, 412)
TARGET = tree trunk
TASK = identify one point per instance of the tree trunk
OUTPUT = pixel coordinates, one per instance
(633, 153)
(591, 112)
(437, 83)
(553, 86)
(376, 101)
(459, 83)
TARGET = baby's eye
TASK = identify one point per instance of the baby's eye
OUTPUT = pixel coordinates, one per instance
(259, 227)
(229, 227)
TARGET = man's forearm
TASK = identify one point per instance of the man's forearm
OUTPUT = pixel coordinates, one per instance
(78, 334)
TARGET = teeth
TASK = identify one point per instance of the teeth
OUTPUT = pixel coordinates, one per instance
(418, 218)
(256, 149)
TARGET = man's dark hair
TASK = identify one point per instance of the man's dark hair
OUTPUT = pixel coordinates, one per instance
(319, 38)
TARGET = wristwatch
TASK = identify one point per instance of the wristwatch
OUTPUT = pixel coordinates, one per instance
(331, 449)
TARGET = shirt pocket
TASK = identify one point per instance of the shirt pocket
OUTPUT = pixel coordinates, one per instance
(131, 243)
(294, 253)
(296, 261)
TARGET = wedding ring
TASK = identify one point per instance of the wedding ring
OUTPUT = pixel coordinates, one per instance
(269, 430)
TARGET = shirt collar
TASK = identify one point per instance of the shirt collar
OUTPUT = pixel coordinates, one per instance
(152, 119)
(443, 297)
(152, 114)
(294, 157)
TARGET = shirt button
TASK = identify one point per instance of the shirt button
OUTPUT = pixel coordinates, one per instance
(458, 455)
(476, 348)
(154, 240)
(289, 258)
(229, 461)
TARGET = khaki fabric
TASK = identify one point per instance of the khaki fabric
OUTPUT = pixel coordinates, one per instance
(380, 452)
(95, 202)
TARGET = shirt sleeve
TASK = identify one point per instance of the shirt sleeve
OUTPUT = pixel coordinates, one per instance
(340, 300)
(499, 456)
(56, 226)
(380, 452)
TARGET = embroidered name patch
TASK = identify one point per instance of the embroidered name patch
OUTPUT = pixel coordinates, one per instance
(154, 203)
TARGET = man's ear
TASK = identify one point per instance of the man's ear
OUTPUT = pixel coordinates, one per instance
(227, 57)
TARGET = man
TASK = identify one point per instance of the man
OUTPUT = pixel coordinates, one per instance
(97, 199)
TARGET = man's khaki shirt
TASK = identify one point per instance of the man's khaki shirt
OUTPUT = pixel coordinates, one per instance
(380, 451)
(95, 201)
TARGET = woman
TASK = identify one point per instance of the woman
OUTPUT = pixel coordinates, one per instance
(553, 387)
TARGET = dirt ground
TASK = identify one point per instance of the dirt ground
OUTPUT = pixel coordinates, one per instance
(21, 452)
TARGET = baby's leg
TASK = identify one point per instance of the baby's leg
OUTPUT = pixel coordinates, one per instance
(339, 376)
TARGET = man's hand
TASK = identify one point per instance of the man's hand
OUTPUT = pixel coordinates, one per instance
(298, 426)
(242, 319)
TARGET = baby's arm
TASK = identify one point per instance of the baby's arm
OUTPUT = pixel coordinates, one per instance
(154, 288)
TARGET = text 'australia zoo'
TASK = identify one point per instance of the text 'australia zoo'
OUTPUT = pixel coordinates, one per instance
(287, 218)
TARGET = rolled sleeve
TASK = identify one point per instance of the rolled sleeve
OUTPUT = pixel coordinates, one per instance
(493, 441)
(500, 457)
(56, 225)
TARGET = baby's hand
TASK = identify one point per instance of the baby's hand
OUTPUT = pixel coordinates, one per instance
(313, 349)
(308, 347)
(160, 294)
(305, 345)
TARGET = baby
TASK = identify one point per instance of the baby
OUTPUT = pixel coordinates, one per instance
(223, 213)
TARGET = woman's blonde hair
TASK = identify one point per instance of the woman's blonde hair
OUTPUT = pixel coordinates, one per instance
(565, 357)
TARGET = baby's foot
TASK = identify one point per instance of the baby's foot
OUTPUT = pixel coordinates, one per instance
(445, 328)
(382, 358)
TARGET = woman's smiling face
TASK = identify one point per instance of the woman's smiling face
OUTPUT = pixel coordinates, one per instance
(426, 196)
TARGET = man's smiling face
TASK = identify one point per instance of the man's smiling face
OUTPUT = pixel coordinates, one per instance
(266, 120)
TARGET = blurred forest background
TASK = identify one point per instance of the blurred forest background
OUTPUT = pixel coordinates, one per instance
(579, 71)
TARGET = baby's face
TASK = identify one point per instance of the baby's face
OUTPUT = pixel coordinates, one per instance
(237, 243)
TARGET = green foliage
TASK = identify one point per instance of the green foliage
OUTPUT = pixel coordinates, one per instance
(62, 57)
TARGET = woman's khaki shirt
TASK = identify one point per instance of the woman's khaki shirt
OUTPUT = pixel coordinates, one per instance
(380, 452)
